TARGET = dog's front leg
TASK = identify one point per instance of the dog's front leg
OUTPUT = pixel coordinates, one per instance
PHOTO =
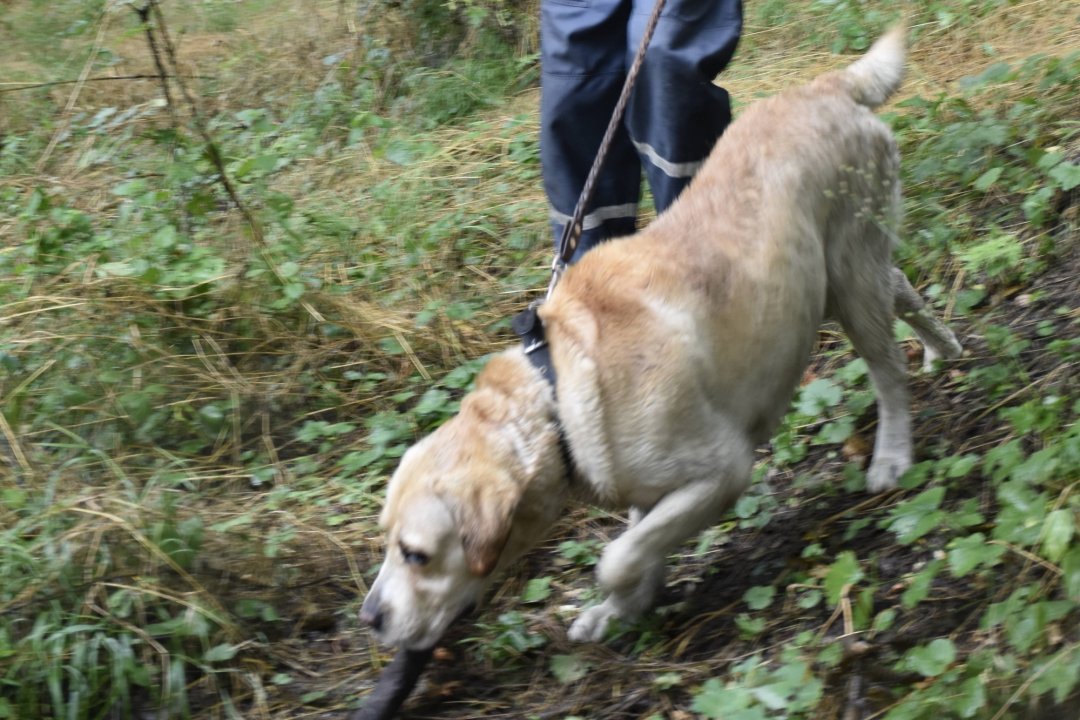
(626, 604)
(632, 570)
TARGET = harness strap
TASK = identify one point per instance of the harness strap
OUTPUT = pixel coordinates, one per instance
(528, 327)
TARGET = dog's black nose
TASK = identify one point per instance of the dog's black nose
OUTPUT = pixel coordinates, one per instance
(374, 620)
(370, 612)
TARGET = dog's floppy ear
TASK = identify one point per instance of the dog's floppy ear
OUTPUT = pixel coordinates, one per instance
(484, 518)
(485, 528)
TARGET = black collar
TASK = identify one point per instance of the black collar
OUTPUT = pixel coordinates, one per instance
(527, 326)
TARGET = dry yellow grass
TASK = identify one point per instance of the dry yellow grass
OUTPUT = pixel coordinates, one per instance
(938, 57)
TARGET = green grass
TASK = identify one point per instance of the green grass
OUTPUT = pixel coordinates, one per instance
(200, 407)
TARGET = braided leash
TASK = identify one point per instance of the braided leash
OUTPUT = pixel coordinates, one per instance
(526, 324)
(572, 231)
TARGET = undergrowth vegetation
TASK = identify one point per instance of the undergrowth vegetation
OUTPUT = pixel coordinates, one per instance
(230, 300)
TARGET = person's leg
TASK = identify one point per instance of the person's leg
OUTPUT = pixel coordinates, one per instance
(676, 112)
(583, 63)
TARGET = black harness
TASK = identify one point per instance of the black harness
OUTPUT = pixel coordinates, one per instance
(527, 326)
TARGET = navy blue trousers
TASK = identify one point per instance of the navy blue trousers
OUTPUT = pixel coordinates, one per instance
(673, 119)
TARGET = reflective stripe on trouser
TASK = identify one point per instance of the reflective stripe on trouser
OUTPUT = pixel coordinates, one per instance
(674, 116)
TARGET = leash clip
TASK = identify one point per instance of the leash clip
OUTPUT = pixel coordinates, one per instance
(558, 267)
(527, 326)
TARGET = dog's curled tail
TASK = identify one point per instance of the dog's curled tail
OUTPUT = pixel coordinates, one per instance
(877, 74)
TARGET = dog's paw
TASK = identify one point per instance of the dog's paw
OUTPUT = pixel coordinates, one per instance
(885, 472)
(930, 360)
(592, 624)
(933, 356)
(944, 346)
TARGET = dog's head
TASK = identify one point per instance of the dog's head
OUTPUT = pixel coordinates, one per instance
(447, 517)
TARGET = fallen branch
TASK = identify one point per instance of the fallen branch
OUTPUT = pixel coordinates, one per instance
(98, 79)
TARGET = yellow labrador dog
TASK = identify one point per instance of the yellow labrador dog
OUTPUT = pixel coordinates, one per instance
(677, 352)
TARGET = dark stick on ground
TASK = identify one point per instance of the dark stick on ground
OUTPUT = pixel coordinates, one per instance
(396, 682)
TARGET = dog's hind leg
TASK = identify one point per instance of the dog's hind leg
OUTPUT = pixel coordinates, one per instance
(862, 300)
(632, 568)
(937, 339)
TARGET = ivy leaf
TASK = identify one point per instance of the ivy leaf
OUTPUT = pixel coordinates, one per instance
(461, 376)
(119, 268)
(749, 627)
(837, 431)
(845, 571)
(666, 681)
(933, 659)
(1001, 460)
(1040, 467)
(293, 290)
(920, 585)
(988, 178)
(399, 153)
(723, 703)
(1070, 568)
(972, 697)
(433, 401)
(1058, 530)
(137, 404)
(995, 74)
(771, 696)
(1059, 674)
(1026, 627)
(220, 653)
(962, 465)
(995, 255)
(1067, 175)
(884, 620)
(818, 396)
(796, 682)
(1022, 498)
(537, 590)
(914, 518)
(759, 597)
(968, 553)
(809, 599)
(258, 163)
(569, 668)
(212, 416)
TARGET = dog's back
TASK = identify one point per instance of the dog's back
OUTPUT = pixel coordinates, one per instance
(707, 317)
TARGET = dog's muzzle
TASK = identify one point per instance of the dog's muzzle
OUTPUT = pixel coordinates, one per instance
(371, 612)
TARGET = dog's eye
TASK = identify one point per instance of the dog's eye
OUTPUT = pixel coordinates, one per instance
(413, 557)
